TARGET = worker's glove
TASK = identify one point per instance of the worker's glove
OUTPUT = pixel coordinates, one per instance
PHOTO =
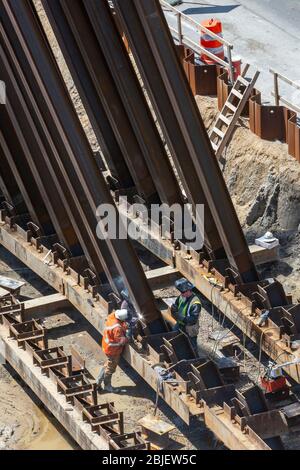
(129, 334)
(263, 318)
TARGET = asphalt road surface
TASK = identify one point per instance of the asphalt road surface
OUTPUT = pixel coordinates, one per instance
(265, 33)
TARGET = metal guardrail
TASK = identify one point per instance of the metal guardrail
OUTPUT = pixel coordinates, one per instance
(186, 41)
(276, 94)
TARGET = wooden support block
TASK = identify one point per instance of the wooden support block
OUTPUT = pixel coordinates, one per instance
(262, 255)
(162, 277)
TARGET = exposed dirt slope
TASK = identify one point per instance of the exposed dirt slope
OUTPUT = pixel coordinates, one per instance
(264, 183)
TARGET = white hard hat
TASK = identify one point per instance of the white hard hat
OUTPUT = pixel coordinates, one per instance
(269, 237)
(121, 314)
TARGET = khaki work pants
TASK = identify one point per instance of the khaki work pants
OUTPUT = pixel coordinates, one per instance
(111, 364)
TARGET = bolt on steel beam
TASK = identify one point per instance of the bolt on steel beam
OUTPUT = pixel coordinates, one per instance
(161, 102)
(35, 154)
(197, 141)
(80, 169)
(109, 144)
(88, 59)
(125, 78)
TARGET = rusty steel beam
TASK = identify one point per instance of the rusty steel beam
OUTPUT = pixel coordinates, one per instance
(12, 149)
(43, 118)
(125, 78)
(84, 59)
(80, 169)
(162, 104)
(197, 141)
(34, 149)
(9, 187)
(48, 125)
(107, 140)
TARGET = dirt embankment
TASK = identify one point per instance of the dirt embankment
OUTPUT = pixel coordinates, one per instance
(264, 183)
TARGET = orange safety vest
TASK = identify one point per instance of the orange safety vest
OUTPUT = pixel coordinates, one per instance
(114, 336)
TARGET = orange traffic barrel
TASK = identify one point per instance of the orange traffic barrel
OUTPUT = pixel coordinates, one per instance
(211, 44)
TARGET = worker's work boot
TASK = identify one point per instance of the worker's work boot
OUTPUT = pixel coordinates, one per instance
(100, 378)
(107, 385)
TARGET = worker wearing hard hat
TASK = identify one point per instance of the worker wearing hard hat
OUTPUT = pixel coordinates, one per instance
(186, 310)
(113, 342)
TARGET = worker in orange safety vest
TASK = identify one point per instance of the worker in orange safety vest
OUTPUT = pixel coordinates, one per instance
(115, 336)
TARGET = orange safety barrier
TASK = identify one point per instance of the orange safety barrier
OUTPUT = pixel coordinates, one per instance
(210, 43)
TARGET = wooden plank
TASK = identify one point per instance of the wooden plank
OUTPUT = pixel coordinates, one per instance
(236, 93)
(218, 132)
(262, 255)
(224, 119)
(11, 285)
(162, 277)
(230, 106)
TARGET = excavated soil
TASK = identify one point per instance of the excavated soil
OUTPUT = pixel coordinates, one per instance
(264, 184)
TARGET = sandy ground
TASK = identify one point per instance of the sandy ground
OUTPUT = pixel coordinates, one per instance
(24, 423)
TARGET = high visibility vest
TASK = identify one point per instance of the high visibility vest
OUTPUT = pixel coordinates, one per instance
(114, 336)
(184, 306)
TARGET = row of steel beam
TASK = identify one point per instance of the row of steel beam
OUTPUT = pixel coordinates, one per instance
(47, 167)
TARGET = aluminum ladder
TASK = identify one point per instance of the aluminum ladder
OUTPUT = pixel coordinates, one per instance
(231, 111)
